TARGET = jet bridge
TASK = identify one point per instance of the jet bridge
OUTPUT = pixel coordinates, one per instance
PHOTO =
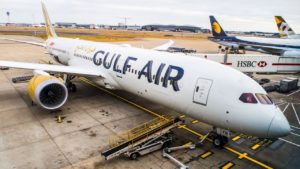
(128, 141)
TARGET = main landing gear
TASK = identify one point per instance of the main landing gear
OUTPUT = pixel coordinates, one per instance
(70, 86)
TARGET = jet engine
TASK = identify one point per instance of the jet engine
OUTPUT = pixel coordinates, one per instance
(291, 54)
(48, 91)
(235, 46)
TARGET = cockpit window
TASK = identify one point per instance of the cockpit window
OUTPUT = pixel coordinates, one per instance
(248, 98)
(264, 99)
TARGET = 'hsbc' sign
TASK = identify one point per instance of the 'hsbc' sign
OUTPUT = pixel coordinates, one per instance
(252, 64)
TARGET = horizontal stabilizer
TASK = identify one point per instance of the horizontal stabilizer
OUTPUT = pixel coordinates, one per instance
(26, 42)
(165, 46)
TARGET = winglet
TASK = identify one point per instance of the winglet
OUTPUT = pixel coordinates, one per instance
(216, 28)
(49, 28)
(283, 27)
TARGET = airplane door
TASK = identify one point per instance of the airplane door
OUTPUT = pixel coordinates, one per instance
(201, 91)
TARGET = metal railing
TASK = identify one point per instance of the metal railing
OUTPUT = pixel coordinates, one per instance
(138, 131)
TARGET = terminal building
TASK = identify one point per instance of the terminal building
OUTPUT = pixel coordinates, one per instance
(175, 28)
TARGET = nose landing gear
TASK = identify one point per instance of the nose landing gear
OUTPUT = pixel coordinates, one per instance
(220, 137)
(219, 140)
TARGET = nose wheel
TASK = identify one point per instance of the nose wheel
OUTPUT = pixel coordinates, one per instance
(219, 140)
(219, 137)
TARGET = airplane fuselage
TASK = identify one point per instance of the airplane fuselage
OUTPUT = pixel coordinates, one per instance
(199, 88)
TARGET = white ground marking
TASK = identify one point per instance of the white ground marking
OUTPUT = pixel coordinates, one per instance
(295, 113)
(292, 143)
(285, 107)
(294, 92)
(295, 127)
(281, 103)
(276, 81)
(295, 134)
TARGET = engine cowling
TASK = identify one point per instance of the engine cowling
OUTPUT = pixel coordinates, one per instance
(48, 91)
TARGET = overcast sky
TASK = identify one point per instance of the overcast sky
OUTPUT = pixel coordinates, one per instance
(241, 15)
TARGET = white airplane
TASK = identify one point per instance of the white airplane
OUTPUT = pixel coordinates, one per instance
(205, 90)
(276, 46)
(285, 31)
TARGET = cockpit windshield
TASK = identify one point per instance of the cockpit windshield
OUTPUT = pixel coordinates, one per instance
(248, 98)
(263, 98)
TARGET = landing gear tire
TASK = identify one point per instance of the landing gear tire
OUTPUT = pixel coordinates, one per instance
(72, 87)
(134, 156)
(219, 141)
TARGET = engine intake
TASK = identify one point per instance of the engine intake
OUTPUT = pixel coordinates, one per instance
(48, 92)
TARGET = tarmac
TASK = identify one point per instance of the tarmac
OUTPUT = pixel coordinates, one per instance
(31, 138)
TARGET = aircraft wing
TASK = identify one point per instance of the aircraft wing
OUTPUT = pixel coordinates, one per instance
(165, 46)
(26, 42)
(264, 48)
(270, 50)
(51, 68)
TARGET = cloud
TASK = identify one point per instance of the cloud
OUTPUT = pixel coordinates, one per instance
(241, 15)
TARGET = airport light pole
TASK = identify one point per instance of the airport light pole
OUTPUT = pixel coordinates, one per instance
(125, 21)
(7, 13)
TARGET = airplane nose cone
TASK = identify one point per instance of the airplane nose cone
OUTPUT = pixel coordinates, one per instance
(279, 126)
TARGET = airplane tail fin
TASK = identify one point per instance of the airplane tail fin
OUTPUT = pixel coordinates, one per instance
(216, 27)
(49, 28)
(283, 27)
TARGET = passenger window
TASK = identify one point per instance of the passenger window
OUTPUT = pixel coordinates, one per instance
(263, 99)
(248, 98)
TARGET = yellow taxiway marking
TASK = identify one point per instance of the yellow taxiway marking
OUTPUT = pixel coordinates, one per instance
(243, 156)
(206, 154)
(255, 147)
(187, 144)
(195, 121)
(228, 165)
(181, 126)
(236, 138)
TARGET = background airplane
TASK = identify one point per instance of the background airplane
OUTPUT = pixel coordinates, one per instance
(208, 91)
(285, 31)
(276, 46)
